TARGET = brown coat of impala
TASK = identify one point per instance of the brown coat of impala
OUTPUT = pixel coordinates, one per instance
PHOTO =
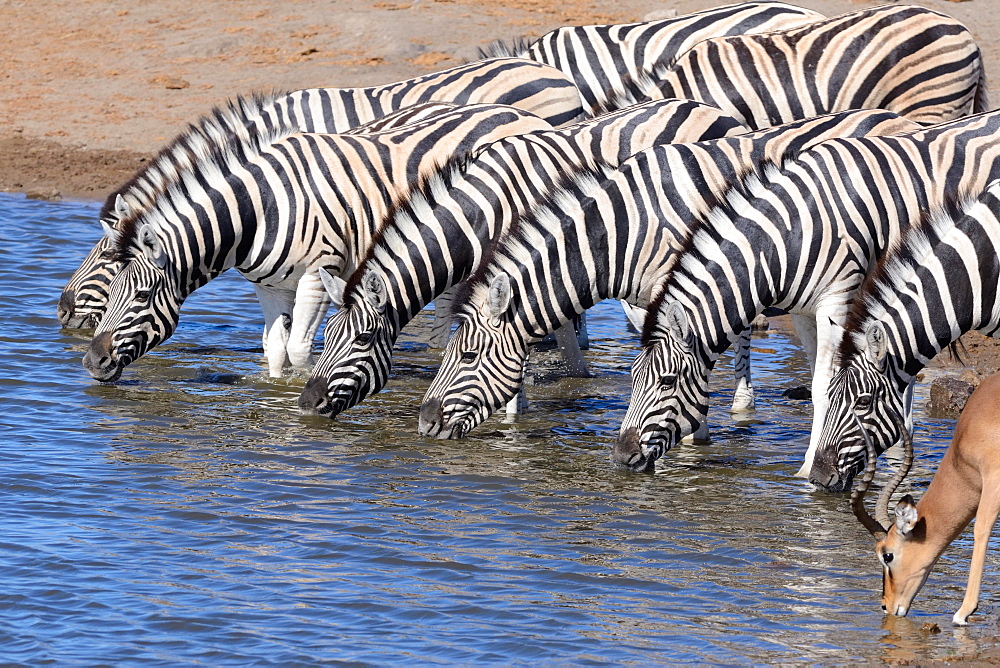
(966, 485)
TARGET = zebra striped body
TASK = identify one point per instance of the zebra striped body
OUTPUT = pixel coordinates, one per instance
(800, 238)
(590, 242)
(435, 238)
(537, 88)
(277, 207)
(600, 58)
(917, 62)
(939, 282)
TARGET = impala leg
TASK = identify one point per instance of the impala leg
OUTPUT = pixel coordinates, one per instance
(986, 517)
(743, 398)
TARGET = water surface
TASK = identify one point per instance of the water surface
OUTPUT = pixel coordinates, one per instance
(189, 514)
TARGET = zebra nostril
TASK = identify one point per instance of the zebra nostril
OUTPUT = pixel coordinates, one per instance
(313, 394)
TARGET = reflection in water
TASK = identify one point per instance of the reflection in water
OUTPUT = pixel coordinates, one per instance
(189, 513)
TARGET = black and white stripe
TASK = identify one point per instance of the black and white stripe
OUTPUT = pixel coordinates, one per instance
(277, 206)
(917, 62)
(800, 236)
(542, 90)
(598, 238)
(940, 281)
(434, 239)
(601, 58)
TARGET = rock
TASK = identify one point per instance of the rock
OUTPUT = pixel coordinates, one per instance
(48, 194)
(971, 377)
(930, 627)
(659, 14)
(800, 393)
(948, 396)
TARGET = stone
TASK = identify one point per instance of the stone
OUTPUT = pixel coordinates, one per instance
(800, 393)
(948, 396)
(47, 194)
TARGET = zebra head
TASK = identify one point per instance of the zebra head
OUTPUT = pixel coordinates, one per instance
(144, 301)
(357, 349)
(864, 406)
(482, 368)
(669, 392)
(82, 302)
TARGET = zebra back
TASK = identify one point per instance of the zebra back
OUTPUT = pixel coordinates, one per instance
(917, 62)
(600, 57)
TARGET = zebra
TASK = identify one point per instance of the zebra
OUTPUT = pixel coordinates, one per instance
(276, 205)
(907, 54)
(798, 236)
(433, 240)
(609, 234)
(937, 283)
(531, 86)
(601, 58)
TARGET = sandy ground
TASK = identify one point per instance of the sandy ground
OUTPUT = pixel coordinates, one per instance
(93, 88)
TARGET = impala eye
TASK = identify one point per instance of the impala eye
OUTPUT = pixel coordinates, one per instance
(363, 339)
(864, 401)
(887, 558)
(469, 356)
(668, 381)
(142, 295)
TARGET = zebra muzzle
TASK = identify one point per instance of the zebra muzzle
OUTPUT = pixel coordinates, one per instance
(99, 360)
(628, 453)
(313, 399)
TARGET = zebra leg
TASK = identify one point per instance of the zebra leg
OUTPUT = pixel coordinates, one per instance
(441, 329)
(743, 399)
(312, 302)
(828, 337)
(569, 346)
(805, 327)
(276, 304)
(518, 404)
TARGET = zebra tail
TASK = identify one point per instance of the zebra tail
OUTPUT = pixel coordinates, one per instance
(982, 100)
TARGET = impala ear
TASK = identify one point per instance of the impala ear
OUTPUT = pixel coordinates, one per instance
(122, 209)
(677, 321)
(334, 286)
(877, 346)
(152, 246)
(375, 290)
(906, 515)
(499, 298)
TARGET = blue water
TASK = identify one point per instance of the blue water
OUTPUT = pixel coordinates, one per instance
(190, 515)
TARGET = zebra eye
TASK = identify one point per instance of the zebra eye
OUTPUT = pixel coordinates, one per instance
(363, 339)
(142, 295)
(668, 381)
(469, 356)
(864, 401)
(108, 254)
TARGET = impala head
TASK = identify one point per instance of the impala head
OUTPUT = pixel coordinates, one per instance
(864, 405)
(357, 348)
(669, 391)
(82, 302)
(900, 547)
(483, 364)
(144, 301)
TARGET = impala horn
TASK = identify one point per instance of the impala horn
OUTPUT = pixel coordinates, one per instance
(882, 507)
(858, 493)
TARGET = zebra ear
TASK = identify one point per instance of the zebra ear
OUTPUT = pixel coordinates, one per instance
(152, 246)
(334, 286)
(499, 298)
(906, 516)
(375, 291)
(877, 346)
(121, 207)
(110, 233)
(677, 321)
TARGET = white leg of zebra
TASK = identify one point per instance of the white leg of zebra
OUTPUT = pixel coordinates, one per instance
(441, 329)
(743, 398)
(805, 327)
(828, 337)
(572, 356)
(277, 306)
(311, 305)
(636, 315)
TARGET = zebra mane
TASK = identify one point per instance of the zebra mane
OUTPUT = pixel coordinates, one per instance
(424, 196)
(691, 248)
(547, 212)
(900, 260)
(633, 88)
(516, 48)
(217, 142)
